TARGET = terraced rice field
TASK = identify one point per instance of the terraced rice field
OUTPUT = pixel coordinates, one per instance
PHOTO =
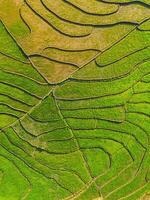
(74, 99)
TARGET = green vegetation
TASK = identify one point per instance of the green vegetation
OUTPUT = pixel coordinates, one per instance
(74, 100)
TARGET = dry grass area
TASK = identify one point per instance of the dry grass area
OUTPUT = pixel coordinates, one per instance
(145, 197)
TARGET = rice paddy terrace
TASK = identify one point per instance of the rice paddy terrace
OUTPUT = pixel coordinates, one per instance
(74, 99)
